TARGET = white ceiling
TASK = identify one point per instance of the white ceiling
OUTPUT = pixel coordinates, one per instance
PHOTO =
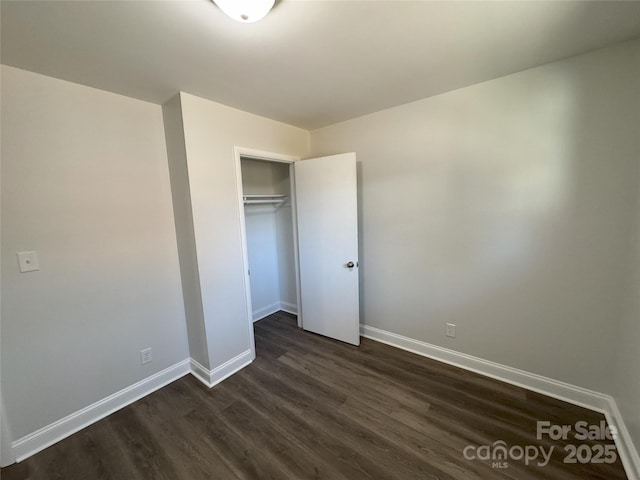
(308, 63)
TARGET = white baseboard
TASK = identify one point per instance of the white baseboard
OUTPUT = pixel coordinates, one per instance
(40, 439)
(199, 371)
(273, 308)
(289, 308)
(624, 443)
(218, 374)
(582, 397)
(260, 313)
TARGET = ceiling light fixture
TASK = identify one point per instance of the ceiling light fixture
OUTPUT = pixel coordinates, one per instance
(245, 11)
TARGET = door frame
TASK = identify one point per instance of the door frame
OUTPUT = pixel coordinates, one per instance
(244, 152)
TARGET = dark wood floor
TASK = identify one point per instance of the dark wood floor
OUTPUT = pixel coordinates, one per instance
(310, 407)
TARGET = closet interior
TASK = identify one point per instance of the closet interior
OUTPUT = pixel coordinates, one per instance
(266, 191)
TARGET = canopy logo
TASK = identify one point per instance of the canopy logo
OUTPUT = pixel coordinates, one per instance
(499, 454)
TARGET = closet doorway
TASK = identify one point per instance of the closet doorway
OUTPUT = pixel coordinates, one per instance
(300, 240)
(271, 252)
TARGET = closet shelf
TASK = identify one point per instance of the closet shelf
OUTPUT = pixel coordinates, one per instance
(254, 199)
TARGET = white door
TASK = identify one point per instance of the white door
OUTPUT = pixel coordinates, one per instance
(327, 217)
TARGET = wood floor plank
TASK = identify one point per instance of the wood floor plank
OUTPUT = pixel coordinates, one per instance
(246, 461)
(141, 446)
(310, 407)
(182, 448)
(368, 444)
(328, 449)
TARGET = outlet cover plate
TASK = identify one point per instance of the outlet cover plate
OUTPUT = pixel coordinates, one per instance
(145, 356)
(451, 330)
(28, 261)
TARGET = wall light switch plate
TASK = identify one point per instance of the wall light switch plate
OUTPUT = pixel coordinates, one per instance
(28, 261)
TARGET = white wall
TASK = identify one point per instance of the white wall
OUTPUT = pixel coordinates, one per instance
(286, 259)
(286, 250)
(183, 218)
(627, 373)
(211, 131)
(262, 249)
(504, 208)
(85, 183)
(6, 453)
(261, 177)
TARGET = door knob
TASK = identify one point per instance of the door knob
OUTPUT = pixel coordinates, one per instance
(351, 265)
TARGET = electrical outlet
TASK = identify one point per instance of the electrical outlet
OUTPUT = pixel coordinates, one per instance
(145, 356)
(451, 330)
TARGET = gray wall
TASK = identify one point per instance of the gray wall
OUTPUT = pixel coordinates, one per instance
(183, 217)
(627, 374)
(504, 208)
(85, 183)
(211, 131)
(6, 453)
